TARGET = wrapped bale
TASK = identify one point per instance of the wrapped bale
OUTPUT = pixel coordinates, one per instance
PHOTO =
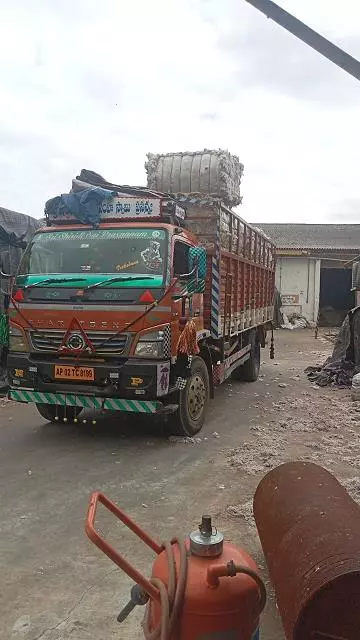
(214, 174)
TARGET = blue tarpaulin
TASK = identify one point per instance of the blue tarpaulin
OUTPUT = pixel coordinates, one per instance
(84, 205)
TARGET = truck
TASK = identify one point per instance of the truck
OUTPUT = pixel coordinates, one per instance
(145, 310)
(16, 229)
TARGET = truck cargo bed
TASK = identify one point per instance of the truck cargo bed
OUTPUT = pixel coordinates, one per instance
(240, 281)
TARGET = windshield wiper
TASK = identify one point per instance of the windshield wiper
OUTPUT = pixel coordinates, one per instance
(52, 281)
(118, 279)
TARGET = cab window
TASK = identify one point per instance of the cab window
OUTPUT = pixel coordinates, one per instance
(181, 258)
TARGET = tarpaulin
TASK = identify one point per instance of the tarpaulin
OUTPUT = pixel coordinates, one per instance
(344, 362)
(88, 177)
(84, 205)
(16, 229)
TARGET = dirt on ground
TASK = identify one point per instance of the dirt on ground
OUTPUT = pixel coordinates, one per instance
(58, 586)
(305, 422)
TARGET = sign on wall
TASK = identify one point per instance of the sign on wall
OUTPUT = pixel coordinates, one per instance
(290, 299)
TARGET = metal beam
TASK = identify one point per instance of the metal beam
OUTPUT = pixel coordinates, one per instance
(309, 36)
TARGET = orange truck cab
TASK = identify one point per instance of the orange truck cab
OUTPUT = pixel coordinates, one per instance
(139, 314)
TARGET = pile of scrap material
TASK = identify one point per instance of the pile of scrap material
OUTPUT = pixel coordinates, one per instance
(214, 174)
(294, 321)
(344, 362)
(16, 229)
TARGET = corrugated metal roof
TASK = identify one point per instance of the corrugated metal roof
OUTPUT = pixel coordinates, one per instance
(313, 236)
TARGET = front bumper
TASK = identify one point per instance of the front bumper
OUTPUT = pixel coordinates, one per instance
(130, 385)
(127, 378)
(90, 402)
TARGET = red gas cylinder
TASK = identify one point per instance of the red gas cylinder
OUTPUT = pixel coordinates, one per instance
(221, 599)
(201, 588)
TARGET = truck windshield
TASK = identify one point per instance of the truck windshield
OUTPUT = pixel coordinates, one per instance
(126, 251)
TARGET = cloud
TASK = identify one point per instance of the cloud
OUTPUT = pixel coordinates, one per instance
(300, 73)
(345, 211)
(266, 55)
(99, 87)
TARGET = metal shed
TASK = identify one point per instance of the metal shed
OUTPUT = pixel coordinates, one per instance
(312, 274)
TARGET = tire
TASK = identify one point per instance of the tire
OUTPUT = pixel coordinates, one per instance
(50, 412)
(193, 401)
(251, 368)
(249, 372)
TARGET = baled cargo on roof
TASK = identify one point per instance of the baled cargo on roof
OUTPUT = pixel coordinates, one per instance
(214, 173)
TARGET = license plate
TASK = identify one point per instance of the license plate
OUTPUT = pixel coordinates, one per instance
(85, 374)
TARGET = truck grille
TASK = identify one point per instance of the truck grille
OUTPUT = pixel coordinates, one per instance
(50, 340)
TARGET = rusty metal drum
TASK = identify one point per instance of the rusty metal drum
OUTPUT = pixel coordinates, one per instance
(309, 529)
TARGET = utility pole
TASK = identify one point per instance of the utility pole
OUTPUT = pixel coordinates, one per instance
(309, 36)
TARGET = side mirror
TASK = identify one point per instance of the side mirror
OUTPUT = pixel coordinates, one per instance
(4, 275)
(197, 265)
(197, 257)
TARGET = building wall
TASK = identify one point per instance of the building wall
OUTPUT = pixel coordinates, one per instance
(298, 281)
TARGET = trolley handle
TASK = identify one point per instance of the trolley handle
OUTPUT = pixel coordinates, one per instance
(109, 550)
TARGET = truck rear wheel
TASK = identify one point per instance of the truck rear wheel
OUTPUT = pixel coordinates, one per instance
(249, 372)
(193, 401)
(50, 412)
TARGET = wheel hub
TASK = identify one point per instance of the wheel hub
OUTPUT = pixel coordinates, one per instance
(196, 397)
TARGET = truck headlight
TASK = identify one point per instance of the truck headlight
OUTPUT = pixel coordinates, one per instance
(17, 340)
(151, 345)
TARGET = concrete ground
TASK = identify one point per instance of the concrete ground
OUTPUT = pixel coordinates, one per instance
(55, 584)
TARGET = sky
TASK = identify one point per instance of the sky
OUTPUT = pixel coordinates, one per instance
(96, 85)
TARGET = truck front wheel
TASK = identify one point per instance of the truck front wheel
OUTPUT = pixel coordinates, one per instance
(50, 412)
(193, 401)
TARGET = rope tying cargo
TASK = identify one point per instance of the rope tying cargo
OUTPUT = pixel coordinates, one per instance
(22, 316)
(126, 327)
